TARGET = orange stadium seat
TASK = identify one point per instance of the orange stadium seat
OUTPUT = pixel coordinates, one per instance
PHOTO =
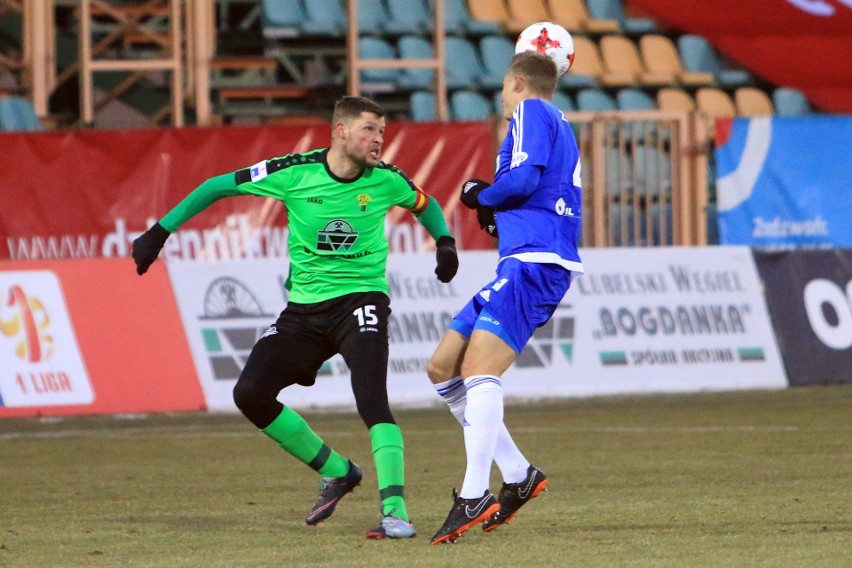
(673, 98)
(750, 101)
(714, 103)
(488, 11)
(573, 16)
(522, 13)
(587, 69)
(624, 64)
(660, 55)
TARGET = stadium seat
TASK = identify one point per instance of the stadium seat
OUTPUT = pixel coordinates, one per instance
(587, 68)
(458, 21)
(18, 114)
(714, 103)
(492, 11)
(698, 55)
(652, 170)
(594, 100)
(660, 55)
(790, 102)
(673, 98)
(624, 64)
(497, 52)
(416, 47)
(634, 99)
(282, 18)
(464, 68)
(372, 17)
(563, 102)
(498, 102)
(750, 101)
(407, 17)
(377, 80)
(523, 13)
(614, 10)
(573, 16)
(619, 171)
(622, 225)
(422, 106)
(467, 105)
(662, 230)
(324, 18)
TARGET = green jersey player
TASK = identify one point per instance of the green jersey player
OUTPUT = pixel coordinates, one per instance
(337, 199)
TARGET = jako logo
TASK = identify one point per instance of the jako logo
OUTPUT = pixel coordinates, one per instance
(25, 320)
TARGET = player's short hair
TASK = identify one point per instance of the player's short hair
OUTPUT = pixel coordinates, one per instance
(537, 68)
(348, 108)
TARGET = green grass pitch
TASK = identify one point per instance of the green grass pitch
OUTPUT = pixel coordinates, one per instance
(714, 479)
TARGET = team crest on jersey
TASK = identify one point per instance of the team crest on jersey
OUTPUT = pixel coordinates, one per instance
(363, 200)
(337, 235)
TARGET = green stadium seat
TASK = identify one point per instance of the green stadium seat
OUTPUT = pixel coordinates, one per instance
(324, 18)
(698, 56)
(18, 114)
(790, 102)
(468, 105)
(423, 106)
(594, 100)
(416, 47)
(282, 18)
(614, 10)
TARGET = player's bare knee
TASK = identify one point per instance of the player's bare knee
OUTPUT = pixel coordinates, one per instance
(438, 370)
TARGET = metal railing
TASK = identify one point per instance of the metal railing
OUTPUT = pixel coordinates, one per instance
(644, 177)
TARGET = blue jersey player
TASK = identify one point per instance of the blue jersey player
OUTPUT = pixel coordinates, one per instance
(536, 202)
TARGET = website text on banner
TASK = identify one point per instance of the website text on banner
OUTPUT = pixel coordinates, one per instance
(87, 194)
(785, 182)
(86, 337)
(641, 321)
(809, 293)
(794, 43)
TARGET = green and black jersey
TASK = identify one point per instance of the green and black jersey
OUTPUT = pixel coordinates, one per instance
(337, 226)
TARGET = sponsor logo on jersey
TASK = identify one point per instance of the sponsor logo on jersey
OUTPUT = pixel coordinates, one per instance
(518, 158)
(337, 235)
(258, 171)
(315, 200)
(363, 200)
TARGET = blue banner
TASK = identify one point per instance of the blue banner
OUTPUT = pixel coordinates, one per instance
(786, 182)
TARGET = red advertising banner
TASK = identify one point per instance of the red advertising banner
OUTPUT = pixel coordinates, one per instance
(88, 194)
(793, 43)
(91, 337)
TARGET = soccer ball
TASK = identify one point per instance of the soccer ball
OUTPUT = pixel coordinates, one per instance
(551, 39)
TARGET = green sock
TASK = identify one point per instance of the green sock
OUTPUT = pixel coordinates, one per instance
(295, 436)
(390, 468)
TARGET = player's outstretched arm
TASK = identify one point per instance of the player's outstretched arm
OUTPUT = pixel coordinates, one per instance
(512, 189)
(432, 219)
(146, 248)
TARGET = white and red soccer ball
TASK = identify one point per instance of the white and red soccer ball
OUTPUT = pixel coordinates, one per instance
(551, 39)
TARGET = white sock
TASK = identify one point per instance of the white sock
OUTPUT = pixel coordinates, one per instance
(455, 395)
(483, 416)
(512, 463)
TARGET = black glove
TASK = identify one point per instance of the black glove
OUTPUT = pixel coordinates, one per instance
(447, 258)
(147, 247)
(470, 192)
(485, 216)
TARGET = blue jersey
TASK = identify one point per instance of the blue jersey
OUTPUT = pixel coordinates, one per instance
(540, 224)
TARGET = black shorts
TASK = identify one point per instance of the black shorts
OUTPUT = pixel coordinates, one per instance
(293, 349)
